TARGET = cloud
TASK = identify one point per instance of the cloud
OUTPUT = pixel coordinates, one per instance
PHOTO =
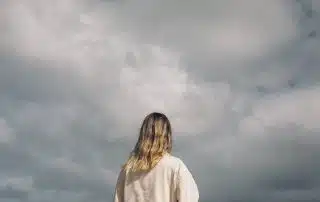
(239, 83)
(6, 133)
(219, 39)
(13, 194)
(298, 107)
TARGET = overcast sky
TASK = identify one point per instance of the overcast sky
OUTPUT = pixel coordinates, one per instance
(239, 80)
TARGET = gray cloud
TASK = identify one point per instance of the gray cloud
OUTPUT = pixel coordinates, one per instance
(238, 81)
(13, 194)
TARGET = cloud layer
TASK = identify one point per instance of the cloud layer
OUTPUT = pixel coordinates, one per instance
(239, 82)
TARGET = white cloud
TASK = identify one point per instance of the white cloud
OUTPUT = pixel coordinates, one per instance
(298, 107)
(79, 77)
(6, 132)
(21, 183)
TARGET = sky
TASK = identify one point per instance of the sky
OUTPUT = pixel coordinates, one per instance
(239, 81)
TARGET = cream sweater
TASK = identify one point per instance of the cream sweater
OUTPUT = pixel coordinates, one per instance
(169, 181)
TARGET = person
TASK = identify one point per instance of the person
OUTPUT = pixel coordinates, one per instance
(152, 173)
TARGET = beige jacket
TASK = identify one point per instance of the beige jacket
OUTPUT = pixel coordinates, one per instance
(169, 181)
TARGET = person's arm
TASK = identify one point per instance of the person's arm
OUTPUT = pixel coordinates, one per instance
(187, 189)
(119, 189)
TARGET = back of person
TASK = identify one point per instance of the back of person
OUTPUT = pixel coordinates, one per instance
(163, 178)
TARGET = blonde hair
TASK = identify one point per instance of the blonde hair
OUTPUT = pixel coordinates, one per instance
(155, 140)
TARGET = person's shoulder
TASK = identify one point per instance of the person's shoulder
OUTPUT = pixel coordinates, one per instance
(172, 161)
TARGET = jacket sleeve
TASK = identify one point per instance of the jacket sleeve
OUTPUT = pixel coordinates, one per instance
(119, 189)
(187, 189)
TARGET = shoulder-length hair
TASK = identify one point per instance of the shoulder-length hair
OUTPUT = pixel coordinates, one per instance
(155, 140)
